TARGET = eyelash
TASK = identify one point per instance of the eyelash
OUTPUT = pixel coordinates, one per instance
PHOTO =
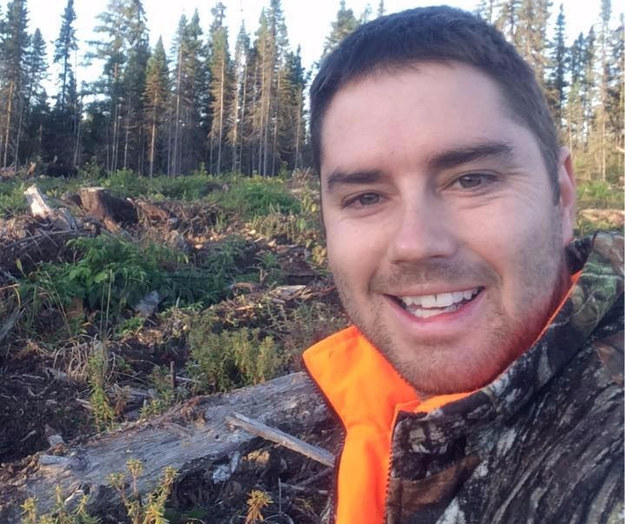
(357, 200)
(484, 178)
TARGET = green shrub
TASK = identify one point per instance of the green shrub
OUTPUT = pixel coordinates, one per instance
(257, 196)
(230, 359)
(111, 273)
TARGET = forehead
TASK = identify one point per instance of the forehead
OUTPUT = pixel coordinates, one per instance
(418, 106)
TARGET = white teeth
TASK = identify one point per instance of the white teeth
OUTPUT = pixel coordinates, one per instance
(468, 295)
(445, 299)
(428, 301)
(440, 300)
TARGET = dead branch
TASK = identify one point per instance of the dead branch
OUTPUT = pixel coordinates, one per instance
(283, 439)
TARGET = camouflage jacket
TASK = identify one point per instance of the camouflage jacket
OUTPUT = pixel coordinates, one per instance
(544, 442)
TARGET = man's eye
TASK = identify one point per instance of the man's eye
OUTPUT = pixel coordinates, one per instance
(364, 200)
(474, 180)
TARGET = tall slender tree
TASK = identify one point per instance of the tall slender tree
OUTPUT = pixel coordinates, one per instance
(13, 49)
(236, 115)
(64, 46)
(220, 88)
(557, 83)
(156, 102)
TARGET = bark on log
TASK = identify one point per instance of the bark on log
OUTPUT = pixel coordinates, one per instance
(110, 210)
(190, 438)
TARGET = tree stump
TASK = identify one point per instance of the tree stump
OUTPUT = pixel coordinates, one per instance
(108, 209)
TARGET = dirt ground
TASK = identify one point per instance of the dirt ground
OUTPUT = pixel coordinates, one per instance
(45, 397)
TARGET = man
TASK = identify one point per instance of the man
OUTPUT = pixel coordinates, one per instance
(481, 381)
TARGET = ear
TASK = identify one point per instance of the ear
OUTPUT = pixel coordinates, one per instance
(566, 182)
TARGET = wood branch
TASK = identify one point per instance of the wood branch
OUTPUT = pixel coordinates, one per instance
(191, 438)
(283, 439)
(39, 207)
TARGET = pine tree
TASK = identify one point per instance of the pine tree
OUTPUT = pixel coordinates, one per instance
(381, 8)
(137, 55)
(65, 44)
(574, 109)
(486, 10)
(189, 100)
(507, 20)
(38, 110)
(557, 83)
(530, 34)
(615, 107)
(601, 116)
(156, 102)
(123, 49)
(13, 49)
(344, 24)
(219, 68)
(34, 106)
(236, 117)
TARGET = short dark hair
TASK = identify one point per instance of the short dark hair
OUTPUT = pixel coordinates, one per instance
(436, 34)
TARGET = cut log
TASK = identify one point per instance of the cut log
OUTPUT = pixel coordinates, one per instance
(191, 438)
(108, 209)
(40, 208)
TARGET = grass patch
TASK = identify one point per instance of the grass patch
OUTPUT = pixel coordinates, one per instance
(257, 196)
(230, 359)
(600, 195)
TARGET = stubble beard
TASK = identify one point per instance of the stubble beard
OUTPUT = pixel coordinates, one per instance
(435, 367)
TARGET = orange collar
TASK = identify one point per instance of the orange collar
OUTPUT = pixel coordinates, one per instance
(366, 393)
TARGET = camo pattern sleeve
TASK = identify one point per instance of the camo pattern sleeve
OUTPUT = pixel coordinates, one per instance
(542, 443)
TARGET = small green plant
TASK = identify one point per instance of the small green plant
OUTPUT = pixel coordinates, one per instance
(230, 359)
(61, 514)
(152, 510)
(166, 394)
(97, 378)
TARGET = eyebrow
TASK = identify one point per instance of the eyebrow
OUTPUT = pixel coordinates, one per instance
(357, 177)
(464, 155)
(445, 160)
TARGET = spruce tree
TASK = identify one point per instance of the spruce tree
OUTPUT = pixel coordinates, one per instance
(557, 83)
(155, 100)
(34, 107)
(236, 114)
(13, 50)
(344, 24)
(64, 45)
(219, 69)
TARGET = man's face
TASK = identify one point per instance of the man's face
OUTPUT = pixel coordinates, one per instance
(442, 235)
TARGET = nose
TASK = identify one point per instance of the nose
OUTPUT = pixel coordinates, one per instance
(422, 231)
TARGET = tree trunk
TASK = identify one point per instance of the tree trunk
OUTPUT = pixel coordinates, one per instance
(8, 125)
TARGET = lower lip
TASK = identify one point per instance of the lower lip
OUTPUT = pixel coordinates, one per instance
(444, 323)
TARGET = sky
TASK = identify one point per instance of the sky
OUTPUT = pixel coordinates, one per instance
(308, 21)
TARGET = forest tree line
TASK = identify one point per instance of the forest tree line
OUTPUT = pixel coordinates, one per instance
(205, 103)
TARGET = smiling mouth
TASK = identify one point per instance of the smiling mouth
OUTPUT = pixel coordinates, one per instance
(427, 306)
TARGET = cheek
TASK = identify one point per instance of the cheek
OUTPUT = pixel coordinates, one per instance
(352, 253)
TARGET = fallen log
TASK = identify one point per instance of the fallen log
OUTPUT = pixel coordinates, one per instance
(191, 438)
